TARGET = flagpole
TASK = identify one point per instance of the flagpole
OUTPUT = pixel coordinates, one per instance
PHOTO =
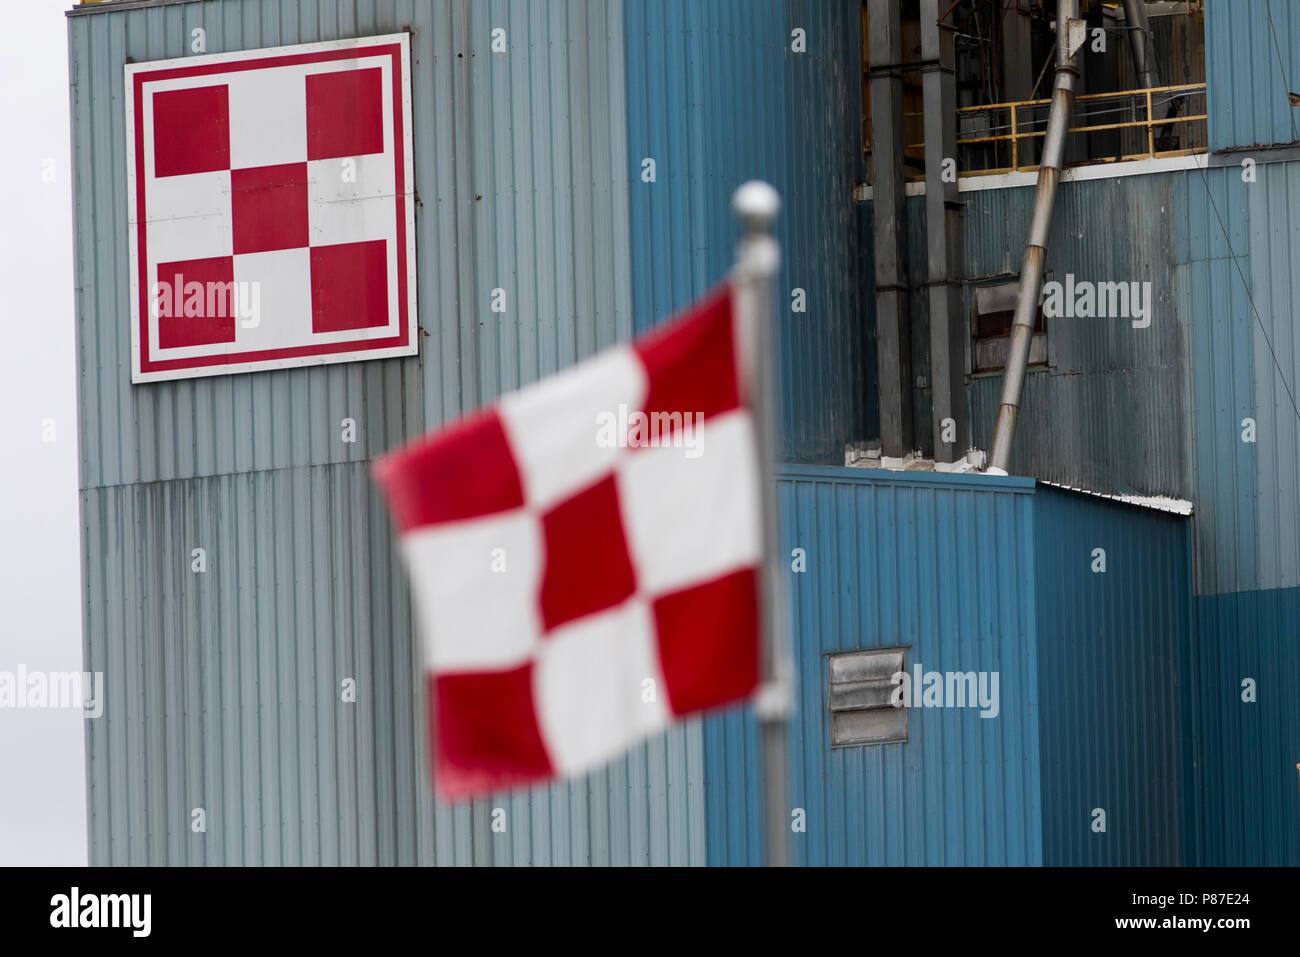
(758, 257)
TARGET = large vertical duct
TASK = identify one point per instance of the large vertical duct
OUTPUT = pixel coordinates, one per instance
(1070, 34)
(1139, 38)
(1017, 51)
(951, 424)
(893, 327)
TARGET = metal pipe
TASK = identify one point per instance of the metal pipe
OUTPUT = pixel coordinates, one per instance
(1139, 38)
(949, 420)
(758, 256)
(889, 229)
(1069, 37)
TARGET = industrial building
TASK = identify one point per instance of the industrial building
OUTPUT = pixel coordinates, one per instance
(1132, 585)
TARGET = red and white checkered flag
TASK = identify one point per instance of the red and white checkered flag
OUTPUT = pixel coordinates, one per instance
(584, 556)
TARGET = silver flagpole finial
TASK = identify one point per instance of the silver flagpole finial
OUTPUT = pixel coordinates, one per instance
(756, 204)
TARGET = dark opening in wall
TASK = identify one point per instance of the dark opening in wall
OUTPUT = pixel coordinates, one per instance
(995, 306)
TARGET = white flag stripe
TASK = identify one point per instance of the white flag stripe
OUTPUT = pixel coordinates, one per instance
(552, 424)
(591, 683)
(712, 499)
(471, 617)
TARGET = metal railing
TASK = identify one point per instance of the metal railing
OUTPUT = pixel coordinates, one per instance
(1013, 122)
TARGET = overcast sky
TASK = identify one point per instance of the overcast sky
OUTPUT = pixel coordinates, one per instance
(42, 762)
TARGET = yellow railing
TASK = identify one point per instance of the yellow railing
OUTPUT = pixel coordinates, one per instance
(1024, 112)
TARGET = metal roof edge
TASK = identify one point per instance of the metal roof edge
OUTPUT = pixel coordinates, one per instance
(1156, 503)
(875, 476)
(107, 6)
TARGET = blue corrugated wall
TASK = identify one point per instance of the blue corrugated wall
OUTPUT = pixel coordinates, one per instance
(1241, 243)
(943, 565)
(971, 573)
(1252, 60)
(1109, 647)
(1242, 807)
(716, 96)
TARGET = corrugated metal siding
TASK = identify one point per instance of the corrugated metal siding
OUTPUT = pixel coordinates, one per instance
(1110, 412)
(716, 97)
(1217, 228)
(944, 566)
(254, 462)
(1160, 410)
(536, 133)
(224, 692)
(1109, 647)
(1248, 501)
(1252, 60)
(1242, 807)
(1274, 268)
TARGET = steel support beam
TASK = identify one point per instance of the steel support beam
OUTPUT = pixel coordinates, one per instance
(889, 226)
(1017, 52)
(950, 422)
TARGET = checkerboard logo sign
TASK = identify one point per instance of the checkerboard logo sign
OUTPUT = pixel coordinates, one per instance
(272, 215)
(575, 595)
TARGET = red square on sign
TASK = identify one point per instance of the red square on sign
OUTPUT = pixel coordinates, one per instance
(268, 207)
(345, 115)
(195, 302)
(191, 131)
(349, 286)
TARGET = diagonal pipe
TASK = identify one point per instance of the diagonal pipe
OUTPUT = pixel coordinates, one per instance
(1031, 270)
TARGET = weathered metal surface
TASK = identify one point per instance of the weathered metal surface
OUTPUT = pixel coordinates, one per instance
(224, 686)
(950, 421)
(1040, 224)
(1252, 63)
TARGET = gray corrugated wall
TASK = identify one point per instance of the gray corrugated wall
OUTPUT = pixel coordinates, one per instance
(1161, 410)
(1274, 275)
(223, 687)
(1109, 414)
(1238, 259)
